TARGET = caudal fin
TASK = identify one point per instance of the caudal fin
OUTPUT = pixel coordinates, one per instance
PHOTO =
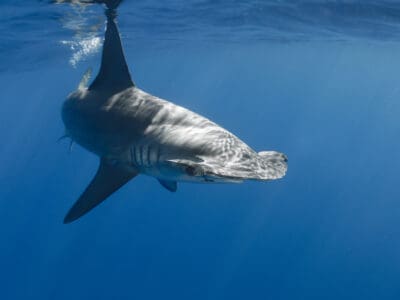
(111, 4)
(274, 164)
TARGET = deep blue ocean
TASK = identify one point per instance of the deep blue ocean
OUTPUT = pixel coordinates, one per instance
(317, 80)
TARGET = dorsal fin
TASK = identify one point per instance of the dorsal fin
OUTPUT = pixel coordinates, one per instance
(114, 73)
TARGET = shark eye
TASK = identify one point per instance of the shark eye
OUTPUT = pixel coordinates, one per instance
(190, 170)
(194, 170)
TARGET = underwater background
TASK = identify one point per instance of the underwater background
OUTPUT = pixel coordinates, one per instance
(317, 80)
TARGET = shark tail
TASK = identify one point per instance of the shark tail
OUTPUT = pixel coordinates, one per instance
(111, 4)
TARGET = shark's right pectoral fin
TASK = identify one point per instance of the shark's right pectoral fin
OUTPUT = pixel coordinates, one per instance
(171, 186)
(107, 180)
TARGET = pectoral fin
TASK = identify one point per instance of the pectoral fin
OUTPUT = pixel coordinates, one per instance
(171, 186)
(107, 180)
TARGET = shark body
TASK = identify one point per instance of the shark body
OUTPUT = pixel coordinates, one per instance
(134, 132)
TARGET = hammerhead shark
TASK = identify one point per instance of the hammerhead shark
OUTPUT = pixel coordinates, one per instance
(134, 132)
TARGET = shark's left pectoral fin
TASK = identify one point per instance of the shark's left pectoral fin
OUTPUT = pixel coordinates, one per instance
(171, 186)
(107, 180)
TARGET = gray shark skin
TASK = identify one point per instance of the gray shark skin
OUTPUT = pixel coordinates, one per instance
(134, 133)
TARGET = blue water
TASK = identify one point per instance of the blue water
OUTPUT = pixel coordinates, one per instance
(318, 81)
